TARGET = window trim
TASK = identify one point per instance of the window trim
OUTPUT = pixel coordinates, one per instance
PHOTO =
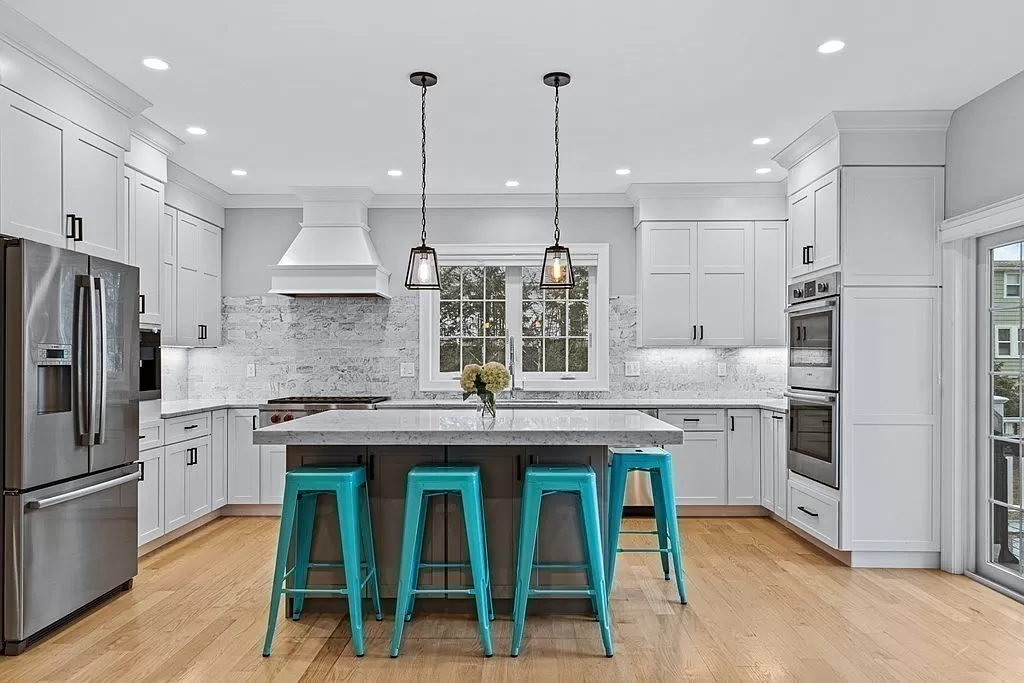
(594, 255)
(1015, 341)
(1019, 284)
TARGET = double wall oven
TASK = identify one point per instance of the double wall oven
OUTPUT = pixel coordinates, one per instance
(813, 377)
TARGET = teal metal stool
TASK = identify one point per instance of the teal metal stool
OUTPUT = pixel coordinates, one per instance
(426, 481)
(540, 481)
(302, 486)
(658, 463)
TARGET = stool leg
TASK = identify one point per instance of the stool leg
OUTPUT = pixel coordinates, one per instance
(283, 540)
(487, 557)
(303, 548)
(592, 519)
(348, 523)
(371, 558)
(616, 499)
(583, 537)
(529, 520)
(661, 518)
(473, 515)
(669, 494)
(417, 556)
(409, 564)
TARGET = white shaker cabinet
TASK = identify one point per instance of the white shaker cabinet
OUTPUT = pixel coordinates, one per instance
(781, 450)
(699, 464)
(209, 287)
(667, 306)
(219, 459)
(198, 472)
(168, 275)
(243, 458)
(145, 210)
(190, 286)
(186, 287)
(272, 471)
(814, 226)
(768, 460)
(93, 193)
(175, 475)
(770, 283)
(744, 456)
(725, 283)
(151, 495)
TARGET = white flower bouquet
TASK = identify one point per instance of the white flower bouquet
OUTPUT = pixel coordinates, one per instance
(485, 382)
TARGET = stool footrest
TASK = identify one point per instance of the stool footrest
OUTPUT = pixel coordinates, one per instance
(638, 533)
(442, 591)
(443, 565)
(561, 591)
(559, 566)
(322, 591)
(663, 551)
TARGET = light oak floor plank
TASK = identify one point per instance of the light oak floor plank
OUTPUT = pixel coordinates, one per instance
(764, 605)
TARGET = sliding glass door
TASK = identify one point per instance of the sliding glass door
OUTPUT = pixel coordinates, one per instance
(1000, 511)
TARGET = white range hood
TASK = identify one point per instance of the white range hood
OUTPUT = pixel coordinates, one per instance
(332, 255)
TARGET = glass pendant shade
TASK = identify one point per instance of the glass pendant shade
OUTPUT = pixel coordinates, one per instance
(557, 272)
(422, 273)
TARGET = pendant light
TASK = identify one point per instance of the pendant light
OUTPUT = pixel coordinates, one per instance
(422, 272)
(557, 271)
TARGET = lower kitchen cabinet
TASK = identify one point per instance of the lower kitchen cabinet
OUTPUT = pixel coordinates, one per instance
(219, 459)
(197, 475)
(186, 482)
(700, 469)
(243, 461)
(151, 495)
(744, 456)
(774, 469)
(271, 474)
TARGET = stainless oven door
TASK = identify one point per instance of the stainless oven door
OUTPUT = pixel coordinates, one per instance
(814, 436)
(814, 346)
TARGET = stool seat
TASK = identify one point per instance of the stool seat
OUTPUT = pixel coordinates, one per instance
(539, 481)
(658, 463)
(422, 482)
(302, 488)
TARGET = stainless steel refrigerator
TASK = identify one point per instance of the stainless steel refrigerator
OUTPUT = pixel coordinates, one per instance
(70, 426)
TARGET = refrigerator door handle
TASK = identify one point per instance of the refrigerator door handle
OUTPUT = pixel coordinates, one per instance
(100, 362)
(82, 359)
(81, 493)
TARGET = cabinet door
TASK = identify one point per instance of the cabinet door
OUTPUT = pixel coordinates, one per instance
(209, 283)
(668, 289)
(769, 283)
(825, 196)
(93, 187)
(151, 493)
(187, 241)
(725, 284)
(243, 458)
(168, 275)
(768, 460)
(146, 208)
(800, 231)
(699, 466)
(197, 485)
(219, 460)
(781, 464)
(175, 501)
(186, 287)
(744, 457)
(272, 468)
(31, 171)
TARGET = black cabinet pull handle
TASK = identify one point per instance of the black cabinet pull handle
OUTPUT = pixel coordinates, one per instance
(69, 226)
(192, 427)
(254, 422)
(142, 303)
(702, 333)
(141, 437)
(142, 471)
(778, 417)
(804, 510)
(694, 333)
(78, 228)
(732, 423)
(810, 254)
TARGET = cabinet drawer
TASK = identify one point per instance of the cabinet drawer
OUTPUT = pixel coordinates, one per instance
(695, 420)
(187, 427)
(816, 514)
(151, 435)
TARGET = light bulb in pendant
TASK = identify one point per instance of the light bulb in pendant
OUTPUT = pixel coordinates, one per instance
(423, 270)
(556, 269)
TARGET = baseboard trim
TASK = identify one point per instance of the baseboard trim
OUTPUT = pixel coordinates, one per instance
(178, 533)
(882, 559)
(251, 511)
(721, 511)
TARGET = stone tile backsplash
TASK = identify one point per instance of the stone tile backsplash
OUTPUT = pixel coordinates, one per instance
(355, 345)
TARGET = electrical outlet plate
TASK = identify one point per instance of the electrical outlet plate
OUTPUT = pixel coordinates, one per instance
(250, 370)
(632, 369)
(407, 369)
(721, 369)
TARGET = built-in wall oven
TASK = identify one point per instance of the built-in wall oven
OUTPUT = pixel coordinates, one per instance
(149, 365)
(813, 373)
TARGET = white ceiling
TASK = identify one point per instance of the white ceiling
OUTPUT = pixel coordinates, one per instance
(315, 92)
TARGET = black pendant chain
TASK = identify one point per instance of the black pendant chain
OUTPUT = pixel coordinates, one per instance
(423, 155)
(557, 233)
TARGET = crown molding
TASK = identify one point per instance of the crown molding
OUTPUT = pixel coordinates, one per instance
(31, 40)
(1008, 213)
(180, 175)
(638, 191)
(155, 135)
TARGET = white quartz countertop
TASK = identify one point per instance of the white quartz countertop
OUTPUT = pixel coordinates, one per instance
(444, 427)
(779, 404)
(202, 405)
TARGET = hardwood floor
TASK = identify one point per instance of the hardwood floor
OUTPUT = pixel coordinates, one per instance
(763, 605)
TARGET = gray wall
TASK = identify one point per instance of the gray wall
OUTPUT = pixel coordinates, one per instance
(985, 149)
(256, 238)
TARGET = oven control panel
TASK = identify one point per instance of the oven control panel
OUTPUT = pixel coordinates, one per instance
(812, 290)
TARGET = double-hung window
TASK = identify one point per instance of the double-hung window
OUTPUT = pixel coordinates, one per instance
(1009, 341)
(491, 308)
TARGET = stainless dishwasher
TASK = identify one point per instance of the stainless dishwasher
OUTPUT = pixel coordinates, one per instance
(638, 484)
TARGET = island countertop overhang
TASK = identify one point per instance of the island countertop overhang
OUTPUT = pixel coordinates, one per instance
(512, 426)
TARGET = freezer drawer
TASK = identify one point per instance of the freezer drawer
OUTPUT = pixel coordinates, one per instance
(65, 546)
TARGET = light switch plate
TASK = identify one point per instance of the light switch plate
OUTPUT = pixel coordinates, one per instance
(632, 369)
(407, 369)
(721, 369)
(250, 370)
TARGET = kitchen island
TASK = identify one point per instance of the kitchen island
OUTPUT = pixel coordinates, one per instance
(391, 442)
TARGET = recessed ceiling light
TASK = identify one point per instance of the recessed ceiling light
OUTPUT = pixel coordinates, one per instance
(511, 183)
(762, 171)
(622, 171)
(831, 46)
(196, 130)
(156, 64)
(761, 141)
(394, 173)
(239, 171)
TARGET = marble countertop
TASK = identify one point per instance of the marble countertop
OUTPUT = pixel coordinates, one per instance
(779, 404)
(444, 427)
(202, 405)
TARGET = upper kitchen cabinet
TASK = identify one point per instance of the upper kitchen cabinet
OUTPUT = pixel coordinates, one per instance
(209, 286)
(93, 187)
(710, 283)
(145, 209)
(814, 227)
(190, 254)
